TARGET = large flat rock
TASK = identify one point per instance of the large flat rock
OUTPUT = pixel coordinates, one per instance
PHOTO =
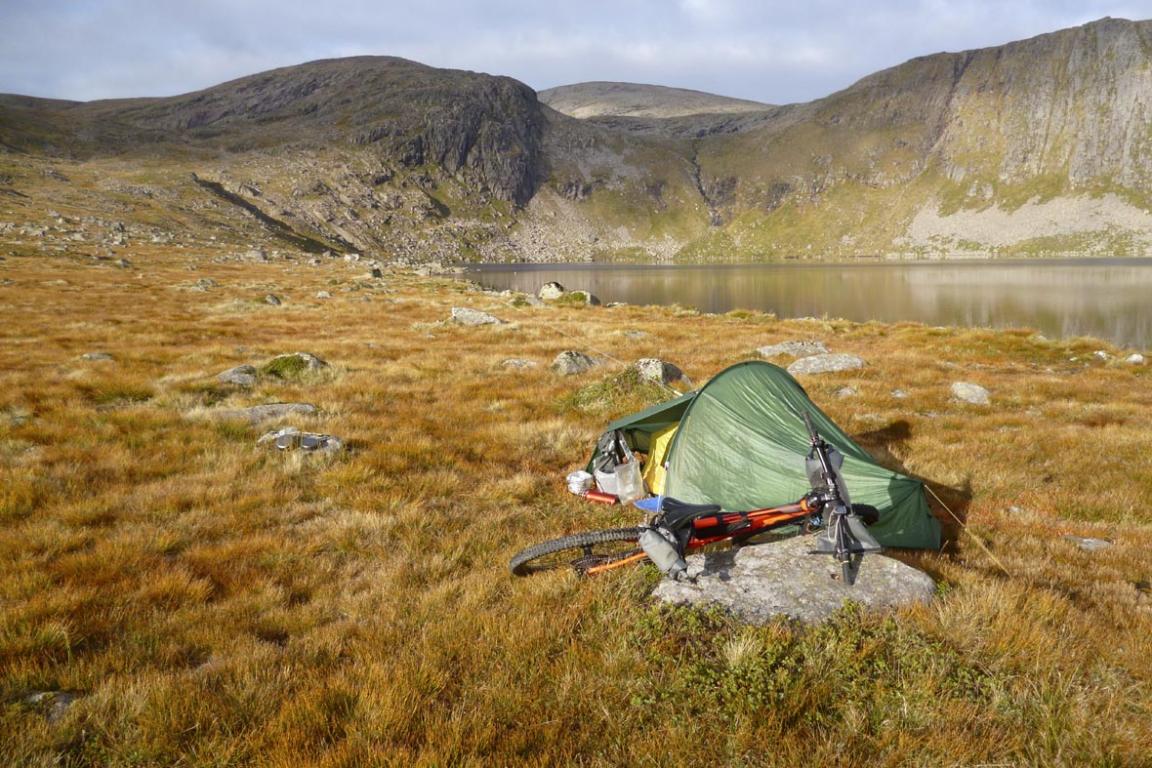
(761, 582)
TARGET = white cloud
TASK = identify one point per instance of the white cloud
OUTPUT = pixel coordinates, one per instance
(774, 50)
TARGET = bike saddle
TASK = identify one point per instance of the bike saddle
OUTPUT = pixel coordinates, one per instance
(676, 512)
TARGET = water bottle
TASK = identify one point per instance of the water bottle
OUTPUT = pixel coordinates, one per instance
(660, 550)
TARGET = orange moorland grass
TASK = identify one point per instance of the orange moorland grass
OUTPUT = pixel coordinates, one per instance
(211, 602)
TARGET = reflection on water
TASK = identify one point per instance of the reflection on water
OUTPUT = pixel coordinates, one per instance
(1109, 299)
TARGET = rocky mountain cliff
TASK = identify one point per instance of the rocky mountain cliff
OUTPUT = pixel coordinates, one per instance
(1039, 147)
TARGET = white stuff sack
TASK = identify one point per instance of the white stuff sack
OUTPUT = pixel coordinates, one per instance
(579, 482)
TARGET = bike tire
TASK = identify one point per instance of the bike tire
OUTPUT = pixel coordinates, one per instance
(579, 551)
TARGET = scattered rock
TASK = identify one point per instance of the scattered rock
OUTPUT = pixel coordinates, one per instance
(97, 357)
(970, 393)
(469, 316)
(291, 438)
(205, 283)
(659, 371)
(1135, 359)
(761, 582)
(323, 295)
(273, 299)
(53, 704)
(794, 348)
(240, 376)
(581, 297)
(123, 264)
(825, 363)
(293, 364)
(550, 291)
(1100, 354)
(847, 392)
(571, 362)
(519, 363)
(1089, 544)
(259, 413)
(256, 254)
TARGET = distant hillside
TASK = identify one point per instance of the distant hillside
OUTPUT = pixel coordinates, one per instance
(600, 99)
(1036, 148)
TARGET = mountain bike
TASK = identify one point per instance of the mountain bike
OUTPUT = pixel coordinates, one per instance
(679, 528)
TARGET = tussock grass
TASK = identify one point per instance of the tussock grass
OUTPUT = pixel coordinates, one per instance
(214, 603)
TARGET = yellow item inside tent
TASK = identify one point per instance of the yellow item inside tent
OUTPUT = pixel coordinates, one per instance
(654, 472)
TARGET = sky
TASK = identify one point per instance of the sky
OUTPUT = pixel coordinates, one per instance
(773, 51)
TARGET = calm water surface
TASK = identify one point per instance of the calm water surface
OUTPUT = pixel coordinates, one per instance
(1106, 298)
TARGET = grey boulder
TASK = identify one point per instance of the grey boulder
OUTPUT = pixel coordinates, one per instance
(780, 579)
(292, 439)
(794, 348)
(550, 291)
(967, 392)
(826, 363)
(659, 371)
(469, 316)
(240, 376)
(570, 362)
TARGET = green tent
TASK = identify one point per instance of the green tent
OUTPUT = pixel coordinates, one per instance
(741, 443)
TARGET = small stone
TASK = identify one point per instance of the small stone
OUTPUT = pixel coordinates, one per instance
(469, 316)
(256, 254)
(291, 438)
(377, 272)
(967, 392)
(1101, 355)
(96, 357)
(205, 283)
(825, 363)
(794, 348)
(273, 299)
(550, 291)
(659, 371)
(1089, 544)
(123, 264)
(518, 363)
(633, 334)
(1135, 359)
(847, 392)
(240, 376)
(899, 394)
(323, 295)
(570, 362)
(54, 704)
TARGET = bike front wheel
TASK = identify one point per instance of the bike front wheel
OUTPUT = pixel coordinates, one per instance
(586, 552)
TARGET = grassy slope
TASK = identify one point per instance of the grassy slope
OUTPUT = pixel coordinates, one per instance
(218, 604)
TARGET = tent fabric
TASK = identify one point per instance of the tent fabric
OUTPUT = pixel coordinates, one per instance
(741, 443)
(658, 445)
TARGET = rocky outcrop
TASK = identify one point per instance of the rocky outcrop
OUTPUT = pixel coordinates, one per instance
(759, 583)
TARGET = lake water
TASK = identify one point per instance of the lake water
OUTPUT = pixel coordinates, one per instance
(1106, 298)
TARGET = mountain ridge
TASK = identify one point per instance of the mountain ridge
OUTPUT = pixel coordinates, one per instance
(397, 157)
